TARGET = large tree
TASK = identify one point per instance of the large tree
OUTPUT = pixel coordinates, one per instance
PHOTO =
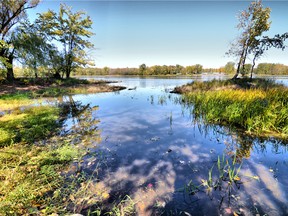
(11, 12)
(252, 22)
(71, 30)
(31, 47)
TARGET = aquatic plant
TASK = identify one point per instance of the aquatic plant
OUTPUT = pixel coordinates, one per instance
(258, 111)
(125, 207)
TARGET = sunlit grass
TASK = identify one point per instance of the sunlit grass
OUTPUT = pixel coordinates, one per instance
(28, 125)
(29, 173)
(16, 100)
(215, 84)
(40, 178)
(256, 110)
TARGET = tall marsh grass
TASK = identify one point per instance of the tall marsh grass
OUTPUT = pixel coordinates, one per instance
(256, 110)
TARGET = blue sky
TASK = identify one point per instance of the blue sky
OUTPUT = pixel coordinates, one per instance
(129, 33)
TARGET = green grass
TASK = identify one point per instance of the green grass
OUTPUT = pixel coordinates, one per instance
(42, 178)
(39, 179)
(14, 101)
(244, 83)
(29, 125)
(262, 110)
(29, 173)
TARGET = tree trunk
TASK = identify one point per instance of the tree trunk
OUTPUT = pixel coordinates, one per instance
(35, 73)
(244, 60)
(239, 64)
(9, 67)
(252, 68)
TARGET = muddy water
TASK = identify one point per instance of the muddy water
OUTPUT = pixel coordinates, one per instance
(149, 147)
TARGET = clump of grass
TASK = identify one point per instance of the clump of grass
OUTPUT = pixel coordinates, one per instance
(125, 207)
(215, 84)
(222, 181)
(263, 111)
(16, 100)
(29, 125)
(224, 177)
(39, 179)
(28, 174)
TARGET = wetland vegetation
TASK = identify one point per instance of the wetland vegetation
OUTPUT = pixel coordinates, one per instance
(36, 172)
(67, 145)
(258, 106)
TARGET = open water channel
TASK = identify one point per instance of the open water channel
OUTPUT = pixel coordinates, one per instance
(147, 145)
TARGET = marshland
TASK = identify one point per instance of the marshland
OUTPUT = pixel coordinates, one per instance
(86, 127)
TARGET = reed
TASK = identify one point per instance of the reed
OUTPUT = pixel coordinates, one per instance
(262, 110)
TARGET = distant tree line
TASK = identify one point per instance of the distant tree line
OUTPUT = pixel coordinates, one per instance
(143, 70)
(178, 70)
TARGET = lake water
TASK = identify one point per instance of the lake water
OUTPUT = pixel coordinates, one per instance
(147, 145)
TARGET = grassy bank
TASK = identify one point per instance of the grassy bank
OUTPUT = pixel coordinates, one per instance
(22, 91)
(41, 172)
(55, 87)
(259, 107)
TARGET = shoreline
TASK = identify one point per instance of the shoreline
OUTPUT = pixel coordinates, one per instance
(75, 87)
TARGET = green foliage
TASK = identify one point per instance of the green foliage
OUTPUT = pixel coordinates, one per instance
(194, 69)
(32, 48)
(11, 13)
(34, 177)
(30, 173)
(261, 109)
(223, 178)
(229, 68)
(246, 69)
(271, 69)
(69, 29)
(125, 207)
(252, 22)
(142, 68)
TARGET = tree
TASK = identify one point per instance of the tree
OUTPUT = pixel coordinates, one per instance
(245, 70)
(69, 29)
(11, 12)
(142, 68)
(106, 70)
(253, 22)
(31, 47)
(194, 69)
(229, 67)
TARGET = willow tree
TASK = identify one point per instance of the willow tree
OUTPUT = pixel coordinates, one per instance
(71, 30)
(252, 22)
(32, 47)
(11, 13)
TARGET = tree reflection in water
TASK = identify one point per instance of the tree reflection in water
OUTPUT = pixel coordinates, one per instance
(80, 120)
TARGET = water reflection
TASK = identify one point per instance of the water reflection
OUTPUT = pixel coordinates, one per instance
(80, 120)
(151, 147)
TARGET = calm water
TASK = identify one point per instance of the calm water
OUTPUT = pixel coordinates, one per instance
(148, 146)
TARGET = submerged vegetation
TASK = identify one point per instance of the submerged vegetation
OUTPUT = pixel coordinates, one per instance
(258, 107)
(40, 170)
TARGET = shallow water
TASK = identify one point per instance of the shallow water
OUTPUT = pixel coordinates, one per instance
(149, 147)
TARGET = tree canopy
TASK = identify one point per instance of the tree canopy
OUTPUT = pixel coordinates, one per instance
(252, 22)
(71, 30)
(11, 13)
